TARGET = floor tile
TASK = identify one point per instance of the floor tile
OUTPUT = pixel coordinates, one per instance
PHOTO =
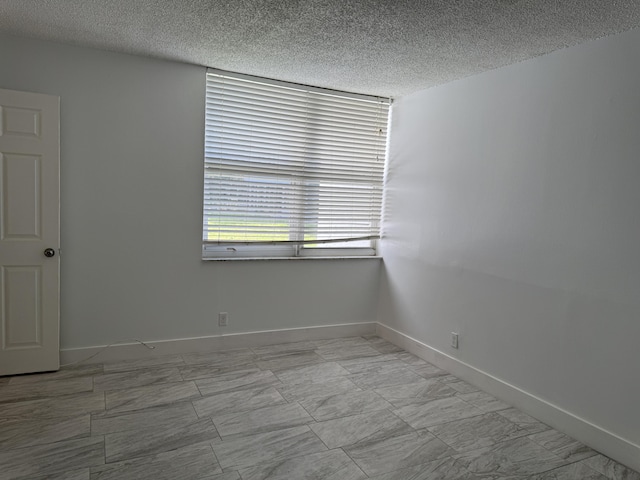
(384, 376)
(436, 412)
(420, 391)
(29, 462)
(150, 396)
(574, 471)
(383, 346)
(55, 407)
(484, 401)
(331, 465)
(398, 416)
(428, 371)
(327, 407)
(44, 389)
(310, 391)
(520, 457)
(524, 421)
(150, 441)
(135, 378)
(262, 420)
(235, 381)
(442, 469)
(562, 445)
(196, 462)
(410, 358)
(127, 365)
(285, 360)
(17, 432)
(82, 474)
(223, 476)
(477, 432)
(312, 373)
(399, 452)
(237, 401)
(220, 359)
(242, 451)
(611, 469)
(344, 342)
(65, 372)
(335, 352)
(284, 347)
(204, 370)
(363, 428)
(463, 387)
(372, 364)
(154, 417)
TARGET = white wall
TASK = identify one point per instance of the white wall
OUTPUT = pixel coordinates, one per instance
(131, 180)
(513, 218)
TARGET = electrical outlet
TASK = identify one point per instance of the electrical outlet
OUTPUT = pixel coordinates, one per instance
(454, 340)
(223, 319)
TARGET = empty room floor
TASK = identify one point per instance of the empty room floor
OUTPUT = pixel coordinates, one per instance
(343, 409)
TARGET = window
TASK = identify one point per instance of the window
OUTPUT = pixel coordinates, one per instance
(291, 170)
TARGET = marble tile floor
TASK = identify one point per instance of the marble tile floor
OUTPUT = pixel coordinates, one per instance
(342, 409)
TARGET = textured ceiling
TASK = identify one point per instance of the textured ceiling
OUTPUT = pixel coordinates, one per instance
(381, 47)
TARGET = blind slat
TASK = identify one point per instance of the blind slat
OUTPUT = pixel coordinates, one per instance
(286, 164)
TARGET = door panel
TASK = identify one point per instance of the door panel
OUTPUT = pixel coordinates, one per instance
(30, 210)
(21, 203)
(22, 315)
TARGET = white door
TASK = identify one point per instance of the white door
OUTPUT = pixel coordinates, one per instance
(29, 232)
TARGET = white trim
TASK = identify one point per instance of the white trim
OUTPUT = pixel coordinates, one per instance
(596, 437)
(134, 350)
(290, 252)
(236, 259)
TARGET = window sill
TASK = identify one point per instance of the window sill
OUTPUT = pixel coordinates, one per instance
(253, 259)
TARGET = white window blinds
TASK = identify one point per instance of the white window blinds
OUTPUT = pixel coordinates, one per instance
(291, 165)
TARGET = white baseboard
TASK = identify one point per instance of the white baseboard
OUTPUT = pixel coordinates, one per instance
(133, 350)
(599, 439)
